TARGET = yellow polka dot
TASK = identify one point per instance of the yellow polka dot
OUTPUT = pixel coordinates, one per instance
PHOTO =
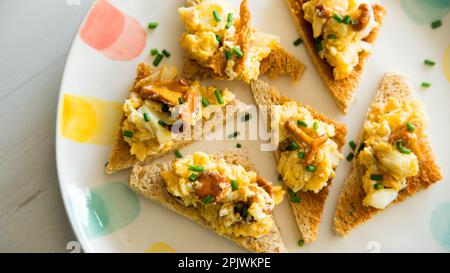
(160, 247)
(446, 63)
(90, 120)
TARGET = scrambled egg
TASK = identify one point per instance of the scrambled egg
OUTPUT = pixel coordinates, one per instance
(206, 38)
(341, 42)
(292, 166)
(148, 136)
(386, 165)
(230, 198)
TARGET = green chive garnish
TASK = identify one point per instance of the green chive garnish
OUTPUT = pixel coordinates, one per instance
(233, 135)
(347, 19)
(410, 127)
(152, 25)
(158, 59)
(218, 95)
(293, 146)
(180, 100)
(146, 118)
(244, 211)
(208, 199)
(198, 169)
(229, 20)
(352, 145)
(234, 185)
(402, 149)
(128, 134)
(337, 17)
(162, 123)
(301, 154)
(376, 177)
(426, 84)
(297, 42)
(311, 168)
(228, 55)
(216, 16)
(293, 197)
(166, 53)
(350, 157)
(238, 145)
(247, 117)
(178, 154)
(331, 37)
(302, 123)
(165, 108)
(319, 46)
(154, 51)
(429, 62)
(361, 147)
(218, 38)
(378, 186)
(436, 24)
(301, 243)
(315, 125)
(280, 177)
(205, 102)
(193, 177)
(238, 52)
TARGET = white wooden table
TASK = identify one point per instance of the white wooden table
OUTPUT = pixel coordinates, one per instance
(34, 42)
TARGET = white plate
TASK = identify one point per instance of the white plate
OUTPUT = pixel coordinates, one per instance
(106, 216)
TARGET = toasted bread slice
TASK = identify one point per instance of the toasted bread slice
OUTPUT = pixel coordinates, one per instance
(147, 181)
(308, 212)
(350, 210)
(120, 157)
(342, 90)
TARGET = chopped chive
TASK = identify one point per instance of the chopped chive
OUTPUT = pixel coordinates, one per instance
(180, 100)
(402, 149)
(166, 53)
(244, 211)
(331, 37)
(293, 197)
(426, 84)
(311, 168)
(238, 145)
(247, 117)
(297, 42)
(205, 102)
(216, 16)
(208, 199)
(198, 169)
(229, 20)
(162, 123)
(301, 154)
(146, 118)
(410, 127)
(302, 123)
(165, 108)
(158, 59)
(193, 177)
(152, 25)
(301, 243)
(361, 147)
(234, 185)
(178, 154)
(228, 55)
(353, 22)
(352, 145)
(106, 164)
(337, 17)
(218, 38)
(128, 134)
(238, 52)
(293, 146)
(347, 19)
(350, 157)
(218, 95)
(233, 135)
(436, 24)
(319, 46)
(429, 62)
(154, 51)
(377, 186)
(376, 177)
(280, 177)
(315, 125)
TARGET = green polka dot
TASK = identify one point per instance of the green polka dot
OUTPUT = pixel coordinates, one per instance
(423, 12)
(440, 225)
(110, 207)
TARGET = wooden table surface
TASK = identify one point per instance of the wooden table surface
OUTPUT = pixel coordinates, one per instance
(34, 42)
